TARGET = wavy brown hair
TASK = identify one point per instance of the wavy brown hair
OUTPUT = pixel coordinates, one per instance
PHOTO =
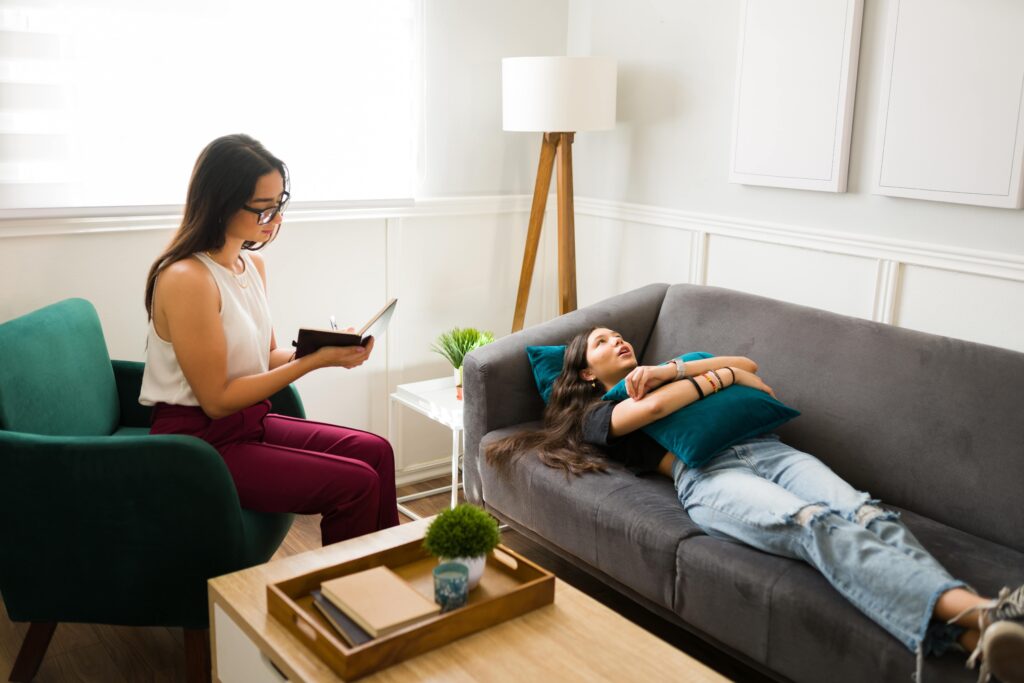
(560, 443)
(223, 179)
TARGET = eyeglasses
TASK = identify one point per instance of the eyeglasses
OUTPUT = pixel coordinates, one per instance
(267, 215)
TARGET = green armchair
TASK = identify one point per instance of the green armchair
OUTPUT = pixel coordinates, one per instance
(99, 521)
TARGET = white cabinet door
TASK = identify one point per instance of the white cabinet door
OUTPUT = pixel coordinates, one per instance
(952, 128)
(795, 82)
(238, 658)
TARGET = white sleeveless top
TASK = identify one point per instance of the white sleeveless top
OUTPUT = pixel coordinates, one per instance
(245, 315)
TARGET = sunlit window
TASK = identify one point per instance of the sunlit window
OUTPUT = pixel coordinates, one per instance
(107, 103)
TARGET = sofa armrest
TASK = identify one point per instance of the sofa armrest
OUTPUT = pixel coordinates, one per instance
(498, 382)
(114, 529)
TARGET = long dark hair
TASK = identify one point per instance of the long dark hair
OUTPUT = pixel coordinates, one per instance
(223, 179)
(560, 443)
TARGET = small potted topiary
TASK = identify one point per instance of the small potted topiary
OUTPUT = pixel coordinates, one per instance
(455, 344)
(463, 534)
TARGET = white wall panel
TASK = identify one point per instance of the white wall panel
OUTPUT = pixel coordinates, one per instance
(447, 270)
(963, 305)
(450, 271)
(953, 91)
(615, 256)
(795, 82)
(456, 262)
(835, 282)
(316, 269)
(109, 269)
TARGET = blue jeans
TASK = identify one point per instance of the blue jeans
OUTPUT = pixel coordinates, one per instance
(775, 498)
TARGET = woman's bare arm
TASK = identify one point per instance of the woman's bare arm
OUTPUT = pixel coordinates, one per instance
(188, 302)
(699, 367)
(630, 415)
(646, 378)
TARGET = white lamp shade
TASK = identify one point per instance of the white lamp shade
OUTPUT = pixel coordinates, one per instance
(558, 94)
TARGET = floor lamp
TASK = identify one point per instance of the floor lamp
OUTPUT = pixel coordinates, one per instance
(556, 96)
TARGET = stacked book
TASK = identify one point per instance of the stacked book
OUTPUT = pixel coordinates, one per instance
(370, 604)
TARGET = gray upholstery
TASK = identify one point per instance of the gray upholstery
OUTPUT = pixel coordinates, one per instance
(928, 424)
(497, 382)
(611, 521)
(917, 419)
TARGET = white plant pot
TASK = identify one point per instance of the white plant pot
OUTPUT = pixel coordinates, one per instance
(474, 564)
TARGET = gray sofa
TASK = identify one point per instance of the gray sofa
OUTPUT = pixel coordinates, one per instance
(933, 426)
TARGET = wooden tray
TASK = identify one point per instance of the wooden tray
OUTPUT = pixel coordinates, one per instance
(510, 586)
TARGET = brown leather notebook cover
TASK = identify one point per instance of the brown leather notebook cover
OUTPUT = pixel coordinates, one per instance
(311, 339)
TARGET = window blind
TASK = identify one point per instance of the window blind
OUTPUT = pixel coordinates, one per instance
(107, 103)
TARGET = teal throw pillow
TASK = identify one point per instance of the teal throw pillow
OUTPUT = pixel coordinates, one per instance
(546, 362)
(698, 431)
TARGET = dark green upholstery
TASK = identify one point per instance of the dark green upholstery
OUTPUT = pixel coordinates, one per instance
(55, 374)
(99, 521)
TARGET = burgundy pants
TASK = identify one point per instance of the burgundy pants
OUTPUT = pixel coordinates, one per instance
(284, 464)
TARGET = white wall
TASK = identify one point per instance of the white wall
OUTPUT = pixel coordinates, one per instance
(453, 259)
(465, 151)
(939, 267)
(653, 204)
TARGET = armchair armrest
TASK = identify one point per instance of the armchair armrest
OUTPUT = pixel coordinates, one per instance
(121, 530)
(499, 387)
(288, 402)
(128, 376)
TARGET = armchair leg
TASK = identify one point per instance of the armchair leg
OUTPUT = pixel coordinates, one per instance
(33, 648)
(197, 655)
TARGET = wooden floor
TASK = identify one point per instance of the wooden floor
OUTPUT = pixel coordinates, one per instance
(116, 654)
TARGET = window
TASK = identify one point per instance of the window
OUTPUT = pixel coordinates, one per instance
(107, 103)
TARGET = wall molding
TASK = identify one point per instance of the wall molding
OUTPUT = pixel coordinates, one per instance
(297, 215)
(887, 290)
(903, 252)
(976, 262)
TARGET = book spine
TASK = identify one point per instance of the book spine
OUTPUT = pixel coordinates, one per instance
(352, 614)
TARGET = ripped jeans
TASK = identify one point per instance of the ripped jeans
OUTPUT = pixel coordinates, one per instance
(775, 498)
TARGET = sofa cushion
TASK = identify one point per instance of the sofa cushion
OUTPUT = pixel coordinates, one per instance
(55, 373)
(628, 527)
(771, 608)
(547, 363)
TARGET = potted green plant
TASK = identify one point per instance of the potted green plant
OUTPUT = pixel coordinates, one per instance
(464, 534)
(455, 344)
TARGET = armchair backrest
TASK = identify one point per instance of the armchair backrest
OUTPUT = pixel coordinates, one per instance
(55, 373)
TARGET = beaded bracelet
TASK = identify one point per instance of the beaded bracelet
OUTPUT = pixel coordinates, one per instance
(700, 392)
(711, 381)
(733, 374)
(721, 384)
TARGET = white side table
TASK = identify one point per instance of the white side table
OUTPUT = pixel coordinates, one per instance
(434, 398)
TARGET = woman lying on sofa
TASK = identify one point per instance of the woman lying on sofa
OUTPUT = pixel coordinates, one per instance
(767, 495)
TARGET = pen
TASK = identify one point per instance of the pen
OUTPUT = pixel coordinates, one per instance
(334, 325)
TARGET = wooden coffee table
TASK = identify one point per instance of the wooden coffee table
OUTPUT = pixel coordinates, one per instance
(574, 639)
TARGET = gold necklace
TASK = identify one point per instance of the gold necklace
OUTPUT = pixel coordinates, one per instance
(240, 278)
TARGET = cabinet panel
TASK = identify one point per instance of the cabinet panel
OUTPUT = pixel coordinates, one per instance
(953, 93)
(795, 81)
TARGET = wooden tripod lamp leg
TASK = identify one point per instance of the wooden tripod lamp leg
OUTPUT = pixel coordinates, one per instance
(540, 200)
(566, 228)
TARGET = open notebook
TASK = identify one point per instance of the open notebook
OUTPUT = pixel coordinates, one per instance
(311, 339)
